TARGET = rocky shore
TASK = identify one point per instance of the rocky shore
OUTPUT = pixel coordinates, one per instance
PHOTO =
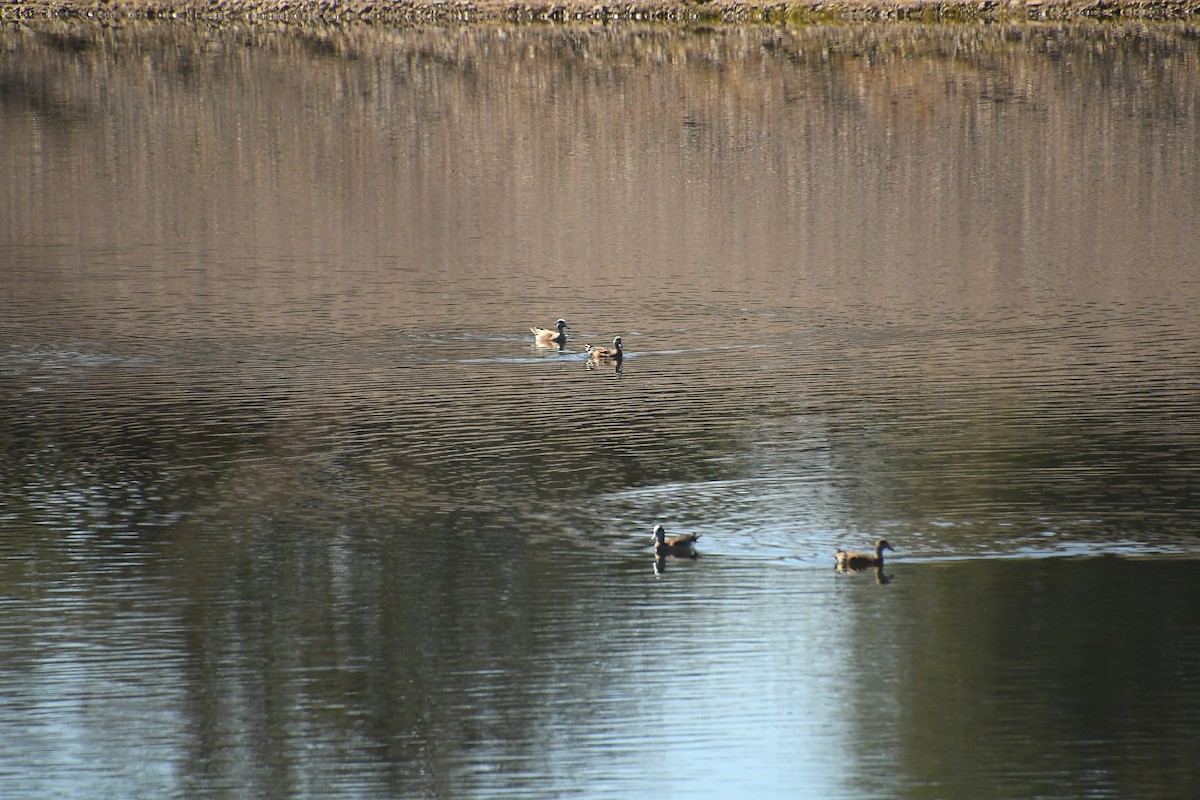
(469, 11)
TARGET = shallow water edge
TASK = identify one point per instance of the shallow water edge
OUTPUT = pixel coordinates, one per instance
(681, 11)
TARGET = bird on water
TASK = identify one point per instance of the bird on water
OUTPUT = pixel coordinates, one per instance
(852, 560)
(545, 336)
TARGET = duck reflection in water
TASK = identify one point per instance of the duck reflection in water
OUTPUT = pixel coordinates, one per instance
(660, 561)
(616, 365)
(853, 561)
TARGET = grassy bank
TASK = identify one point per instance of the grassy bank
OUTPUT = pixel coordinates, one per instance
(443, 11)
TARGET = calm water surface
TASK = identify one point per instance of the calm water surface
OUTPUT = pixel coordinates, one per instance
(291, 506)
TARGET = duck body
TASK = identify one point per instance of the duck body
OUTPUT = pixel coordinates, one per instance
(614, 353)
(684, 545)
(546, 336)
(849, 560)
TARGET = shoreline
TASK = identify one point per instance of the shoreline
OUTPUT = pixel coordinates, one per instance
(411, 12)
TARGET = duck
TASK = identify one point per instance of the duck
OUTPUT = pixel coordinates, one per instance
(614, 353)
(676, 545)
(548, 337)
(851, 560)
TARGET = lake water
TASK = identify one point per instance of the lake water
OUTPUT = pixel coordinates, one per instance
(292, 506)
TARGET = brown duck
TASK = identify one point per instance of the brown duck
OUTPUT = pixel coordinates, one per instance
(684, 545)
(545, 336)
(614, 353)
(850, 560)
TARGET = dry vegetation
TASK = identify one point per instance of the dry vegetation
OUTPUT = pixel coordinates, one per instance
(685, 11)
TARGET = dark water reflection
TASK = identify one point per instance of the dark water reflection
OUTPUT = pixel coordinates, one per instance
(291, 506)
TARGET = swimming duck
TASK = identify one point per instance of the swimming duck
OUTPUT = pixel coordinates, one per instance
(548, 337)
(675, 546)
(615, 352)
(850, 560)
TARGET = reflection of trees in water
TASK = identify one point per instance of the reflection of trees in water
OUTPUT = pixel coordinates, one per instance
(1048, 664)
(368, 562)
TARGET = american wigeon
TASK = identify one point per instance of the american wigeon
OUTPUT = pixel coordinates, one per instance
(675, 546)
(614, 353)
(850, 560)
(548, 337)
